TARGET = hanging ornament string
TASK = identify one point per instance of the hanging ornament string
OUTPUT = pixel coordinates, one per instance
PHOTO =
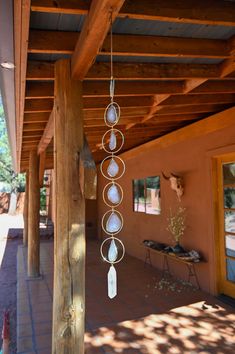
(112, 168)
(112, 82)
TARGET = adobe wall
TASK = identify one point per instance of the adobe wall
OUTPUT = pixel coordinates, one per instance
(191, 158)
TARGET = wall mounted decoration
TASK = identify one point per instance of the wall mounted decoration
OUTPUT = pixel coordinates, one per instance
(176, 184)
(112, 168)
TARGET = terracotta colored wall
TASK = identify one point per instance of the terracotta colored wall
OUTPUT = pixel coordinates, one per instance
(191, 158)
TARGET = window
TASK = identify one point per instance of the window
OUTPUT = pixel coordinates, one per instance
(146, 195)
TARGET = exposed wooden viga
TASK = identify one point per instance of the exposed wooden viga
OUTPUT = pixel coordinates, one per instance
(145, 84)
(69, 245)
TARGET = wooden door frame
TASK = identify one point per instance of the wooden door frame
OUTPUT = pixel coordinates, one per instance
(217, 162)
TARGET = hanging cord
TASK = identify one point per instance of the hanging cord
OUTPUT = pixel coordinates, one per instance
(112, 82)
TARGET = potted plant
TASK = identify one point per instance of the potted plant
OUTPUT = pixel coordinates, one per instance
(176, 226)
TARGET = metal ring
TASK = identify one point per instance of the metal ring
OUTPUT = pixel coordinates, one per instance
(104, 191)
(108, 177)
(102, 254)
(122, 143)
(102, 222)
(118, 111)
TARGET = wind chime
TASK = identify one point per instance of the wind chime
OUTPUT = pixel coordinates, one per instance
(112, 168)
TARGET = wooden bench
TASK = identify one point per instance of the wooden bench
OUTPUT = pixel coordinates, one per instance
(166, 268)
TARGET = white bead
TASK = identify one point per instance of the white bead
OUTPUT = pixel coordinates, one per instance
(114, 223)
(113, 252)
(113, 194)
(112, 141)
(113, 168)
(111, 114)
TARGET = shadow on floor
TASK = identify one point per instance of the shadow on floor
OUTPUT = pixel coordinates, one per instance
(149, 315)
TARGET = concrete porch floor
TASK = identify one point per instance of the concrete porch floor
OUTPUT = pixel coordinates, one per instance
(149, 316)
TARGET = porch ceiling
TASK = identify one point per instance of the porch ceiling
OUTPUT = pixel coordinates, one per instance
(174, 65)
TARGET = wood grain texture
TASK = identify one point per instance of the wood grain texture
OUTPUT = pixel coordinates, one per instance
(47, 134)
(94, 31)
(212, 12)
(69, 246)
(26, 209)
(33, 216)
(62, 42)
(21, 34)
(42, 161)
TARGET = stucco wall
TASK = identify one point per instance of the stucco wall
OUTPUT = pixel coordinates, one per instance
(191, 158)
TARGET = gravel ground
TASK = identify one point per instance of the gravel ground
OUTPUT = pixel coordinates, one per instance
(8, 252)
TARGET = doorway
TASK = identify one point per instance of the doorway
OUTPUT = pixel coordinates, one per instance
(226, 224)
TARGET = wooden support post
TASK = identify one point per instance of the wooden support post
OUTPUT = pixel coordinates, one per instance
(42, 160)
(69, 246)
(33, 216)
(26, 209)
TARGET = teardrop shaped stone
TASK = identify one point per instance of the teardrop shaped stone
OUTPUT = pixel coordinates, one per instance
(113, 223)
(113, 168)
(111, 114)
(112, 141)
(113, 194)
(113, 252)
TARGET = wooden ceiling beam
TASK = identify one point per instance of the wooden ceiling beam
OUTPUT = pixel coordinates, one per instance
(33, 127)
(61, 42)
(175, 100)
(33, 134)
(131, 71)
(125, 112)
(35, 90)
(175, 117)
(128, 89)
(40, 70)
(215, 86)
(47, 134)
(100, 122)
(212, 12)
(152, 71)
(161, 110)
(94, 31)
(90, 103)
(32, 118)
(228, 66)
(38, 105)
(56, 42)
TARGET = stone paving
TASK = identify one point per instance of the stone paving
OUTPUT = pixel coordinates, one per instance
(8, 251)
(149, 316)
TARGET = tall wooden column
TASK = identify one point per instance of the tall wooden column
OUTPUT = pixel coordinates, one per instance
(26, 209)
(69, 249)
(33, 216)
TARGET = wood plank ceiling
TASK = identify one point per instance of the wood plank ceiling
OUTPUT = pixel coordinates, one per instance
(174, 65)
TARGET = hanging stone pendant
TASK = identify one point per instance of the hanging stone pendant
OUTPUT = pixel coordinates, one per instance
(113, 252)
(114, 223)
(112, 282)
(113, 194)
(113, 141)
(111, 114)
(113, 168)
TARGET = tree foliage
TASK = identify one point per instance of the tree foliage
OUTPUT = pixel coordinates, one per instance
(12, 182)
